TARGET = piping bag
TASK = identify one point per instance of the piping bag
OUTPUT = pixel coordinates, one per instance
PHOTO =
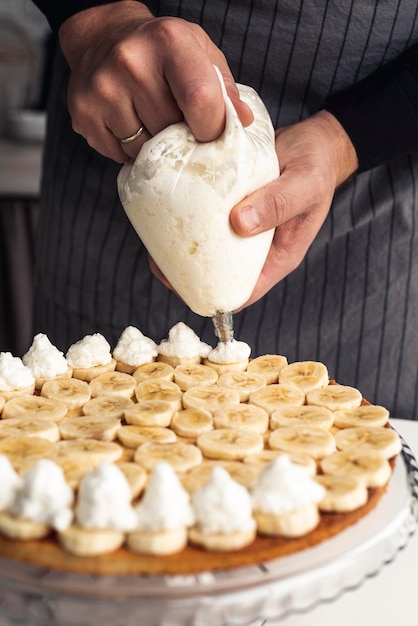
(178, 194)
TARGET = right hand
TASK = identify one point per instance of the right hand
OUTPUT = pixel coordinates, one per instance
(129, 69)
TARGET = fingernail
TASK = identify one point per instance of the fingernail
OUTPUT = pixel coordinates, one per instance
(249, 218)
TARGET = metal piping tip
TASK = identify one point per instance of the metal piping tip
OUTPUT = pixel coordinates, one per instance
(223, 325)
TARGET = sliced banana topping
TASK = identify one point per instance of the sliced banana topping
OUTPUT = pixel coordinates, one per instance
(113, 383)
(335, 397)
(268, 365)
(364, 415)
(315, 442)
(186, 376)
(155, 370)
(276, 395)
(34, 407)
(307, 415)
(304, 375)
(181, 456)
(385, 441)
(367, 465)
(229, 443)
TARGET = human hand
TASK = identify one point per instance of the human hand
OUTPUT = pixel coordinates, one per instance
(130, 69)
(315, 156)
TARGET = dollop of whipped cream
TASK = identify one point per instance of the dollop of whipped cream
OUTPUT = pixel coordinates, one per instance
(44, 359)
(222, 505)
(13, 373)
(165, 504)
(10, 482)
(45, 496)
(90, 351)
(229, 352)
(104, 500)
(284, 486)
(183, 342)
(134, 348)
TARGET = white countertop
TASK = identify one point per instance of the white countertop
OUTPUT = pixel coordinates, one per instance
(383, 600)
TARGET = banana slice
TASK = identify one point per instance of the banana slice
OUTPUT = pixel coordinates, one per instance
(343, 493)
(385, 441)
(160, 390)
(186, 376)
(221, 542)
(229, 443)
(154, 370)
(90, 450)
(245, 382)
(150, 413)
(265, 456)
(29, 427)
(2, 403)
(335, 397)
(88, 373)
(315, 442)
(41, 380)
(181, 456)
(74, 469)
(294, 523)
(190, 423)
(210, 398)
(247, 416)
(133, 436)
(269, 366)
(113, 383)
(175, 361)
(90, 542)
(276, 395)
(307, 415)
(136, 476)
(222, 368)
(304, 375)
(18, 528)
(73, 392)
(19, 449)
(34, 407)
(15, 393)
(161, 542)
(90, 427)
(366, 465)
(364, 415)
(198, 476)
(109, 405)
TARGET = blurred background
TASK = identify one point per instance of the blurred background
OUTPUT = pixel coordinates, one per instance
(26, 52)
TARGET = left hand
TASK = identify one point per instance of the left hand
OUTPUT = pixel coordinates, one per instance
(315, 157)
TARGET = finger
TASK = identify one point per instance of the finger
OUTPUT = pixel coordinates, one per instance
(289, 246)
(275, 204)
(198, 94)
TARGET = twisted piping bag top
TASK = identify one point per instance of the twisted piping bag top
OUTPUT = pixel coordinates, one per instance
(178, 194)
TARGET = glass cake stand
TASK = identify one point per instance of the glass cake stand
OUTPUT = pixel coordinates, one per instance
(37, 596)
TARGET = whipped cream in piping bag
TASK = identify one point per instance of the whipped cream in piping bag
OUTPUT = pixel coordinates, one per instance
(178, 194)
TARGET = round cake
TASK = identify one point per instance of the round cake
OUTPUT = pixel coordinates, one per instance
(225, 431)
